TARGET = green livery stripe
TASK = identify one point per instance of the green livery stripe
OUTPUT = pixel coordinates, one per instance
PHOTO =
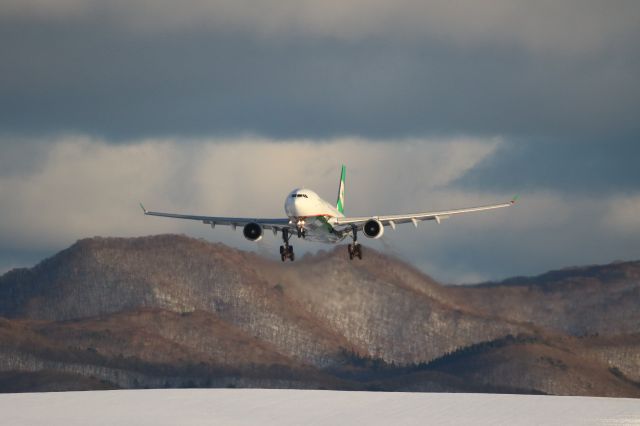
(326, 223)
(340, 202)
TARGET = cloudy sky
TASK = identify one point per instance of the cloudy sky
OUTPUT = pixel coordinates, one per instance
(221, 107)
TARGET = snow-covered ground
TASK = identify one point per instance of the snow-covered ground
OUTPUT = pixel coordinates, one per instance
(301, 407)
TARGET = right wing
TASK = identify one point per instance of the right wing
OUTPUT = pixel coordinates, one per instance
(393, 220)
(274, 224)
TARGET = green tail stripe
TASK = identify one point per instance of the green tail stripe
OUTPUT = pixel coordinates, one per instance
(340, 202)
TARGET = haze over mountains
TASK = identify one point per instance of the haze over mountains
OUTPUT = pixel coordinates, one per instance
(171, 311)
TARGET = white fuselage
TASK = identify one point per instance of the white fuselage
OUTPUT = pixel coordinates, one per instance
(306, 208)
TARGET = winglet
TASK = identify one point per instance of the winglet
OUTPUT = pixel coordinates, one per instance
(143, 209)
(514, 199)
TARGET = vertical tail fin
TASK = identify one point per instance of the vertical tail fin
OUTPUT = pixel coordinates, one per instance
(340, 202)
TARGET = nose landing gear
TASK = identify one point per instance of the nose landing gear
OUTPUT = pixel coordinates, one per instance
(286, 251)
(355, 249)
(301, 231)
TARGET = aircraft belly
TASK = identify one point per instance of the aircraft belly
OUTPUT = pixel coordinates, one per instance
(318, 229)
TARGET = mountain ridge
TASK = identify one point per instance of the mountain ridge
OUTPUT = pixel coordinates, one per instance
(171, 305)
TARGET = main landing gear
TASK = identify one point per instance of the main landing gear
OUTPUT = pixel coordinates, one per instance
(286, 251)
(355, 249)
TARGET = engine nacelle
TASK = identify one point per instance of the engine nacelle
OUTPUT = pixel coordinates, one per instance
(252, 231)
(373, 228)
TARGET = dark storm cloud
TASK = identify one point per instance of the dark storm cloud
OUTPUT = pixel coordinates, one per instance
(609, 165)
(88, 74)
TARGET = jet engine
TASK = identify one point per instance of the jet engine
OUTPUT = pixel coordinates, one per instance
(252, 231)
(373, 228)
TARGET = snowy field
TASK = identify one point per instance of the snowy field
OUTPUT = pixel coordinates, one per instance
(295, 407)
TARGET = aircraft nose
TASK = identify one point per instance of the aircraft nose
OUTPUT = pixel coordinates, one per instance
(299, 206)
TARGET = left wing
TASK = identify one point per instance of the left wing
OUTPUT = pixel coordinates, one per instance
(393, 220)
(275, 224)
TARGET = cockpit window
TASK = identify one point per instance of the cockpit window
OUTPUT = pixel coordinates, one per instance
(299, 195)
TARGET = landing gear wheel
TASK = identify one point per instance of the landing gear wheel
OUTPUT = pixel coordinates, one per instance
(286, 251)
(289, 253)
(355, 250)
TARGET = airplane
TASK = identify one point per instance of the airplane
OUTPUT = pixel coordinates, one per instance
(314, 219)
